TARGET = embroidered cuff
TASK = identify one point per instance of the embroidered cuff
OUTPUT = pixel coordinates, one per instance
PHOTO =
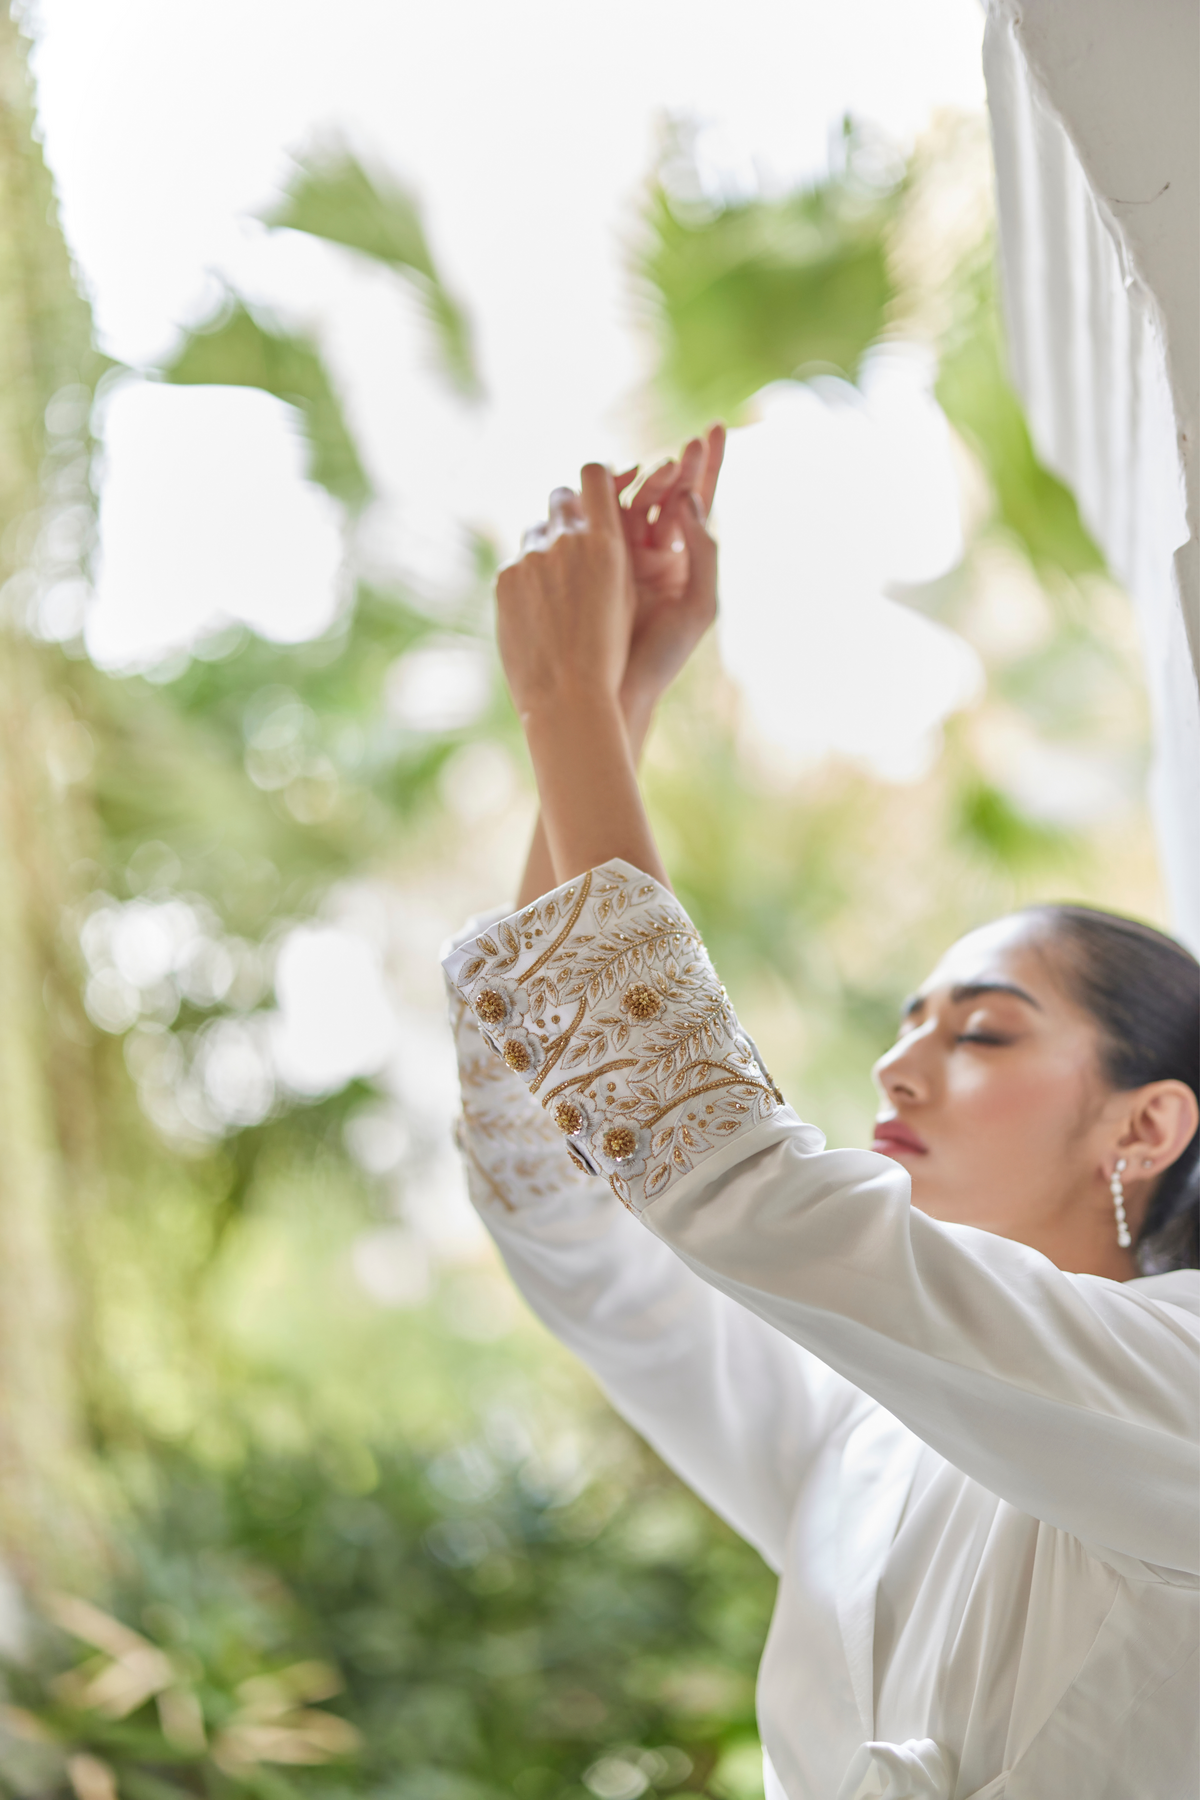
(601, 997)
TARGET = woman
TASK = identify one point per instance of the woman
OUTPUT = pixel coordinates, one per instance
(930, 1382)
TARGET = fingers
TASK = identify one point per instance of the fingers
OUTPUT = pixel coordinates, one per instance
(653, 490)
(706, 487)
(534, 536)
(702, 553)
(691, 466)
(566, 510)
(621, 482)
(599, 502)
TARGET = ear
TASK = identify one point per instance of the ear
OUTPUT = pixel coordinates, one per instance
(1159, 1128)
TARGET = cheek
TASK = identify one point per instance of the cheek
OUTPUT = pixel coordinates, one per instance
(1026, 1102)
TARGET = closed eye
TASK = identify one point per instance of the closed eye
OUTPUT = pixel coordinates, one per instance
(981, 1037)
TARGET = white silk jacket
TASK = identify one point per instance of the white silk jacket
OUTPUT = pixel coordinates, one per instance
(976, 1476)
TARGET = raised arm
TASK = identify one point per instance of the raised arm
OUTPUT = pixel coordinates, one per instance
(735, 1408)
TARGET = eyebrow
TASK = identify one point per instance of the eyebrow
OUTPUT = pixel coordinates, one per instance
(971, 990)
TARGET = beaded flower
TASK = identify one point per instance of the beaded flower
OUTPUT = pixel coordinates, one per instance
(521, 1051)
(496, 1006)
(620, 1148)
(571, 1115)
(641, 1003)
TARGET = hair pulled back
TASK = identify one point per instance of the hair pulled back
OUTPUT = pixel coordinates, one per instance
(1143, 990)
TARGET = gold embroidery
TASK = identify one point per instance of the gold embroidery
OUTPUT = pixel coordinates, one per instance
(641, 1002)
(491, 1007)
(494, 1185)
(581, 1081)
(628, 960)
(619, 1142)
(564, 934)
(555, 1049)
(570, 1117)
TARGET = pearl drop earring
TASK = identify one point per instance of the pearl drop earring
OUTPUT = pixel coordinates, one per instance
(1117, 1189)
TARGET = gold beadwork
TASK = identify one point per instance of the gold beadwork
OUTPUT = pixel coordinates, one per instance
(689, 1078)
(641, 1002)
(569, 1116)
(620, 1143)
(491, 1007)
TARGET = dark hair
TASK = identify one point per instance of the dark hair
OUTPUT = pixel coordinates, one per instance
(1143, 990)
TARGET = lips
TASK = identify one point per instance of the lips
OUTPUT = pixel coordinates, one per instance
(895, 1139)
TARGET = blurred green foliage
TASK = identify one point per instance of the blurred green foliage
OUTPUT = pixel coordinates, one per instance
(746, 292)
(458, 1598)
(977, 396)
(332, 776)
(333, 197)
(237, 350)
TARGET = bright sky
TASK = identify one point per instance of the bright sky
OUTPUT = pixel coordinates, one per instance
(527, 129)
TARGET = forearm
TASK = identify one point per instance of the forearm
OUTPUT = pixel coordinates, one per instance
(541, 874)
(592, 809)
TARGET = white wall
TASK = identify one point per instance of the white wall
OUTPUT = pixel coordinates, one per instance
(1095, 107)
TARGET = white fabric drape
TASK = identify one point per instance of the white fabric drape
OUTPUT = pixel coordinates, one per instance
(1097, 285)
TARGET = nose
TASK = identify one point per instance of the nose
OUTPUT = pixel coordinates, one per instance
(903, 1073)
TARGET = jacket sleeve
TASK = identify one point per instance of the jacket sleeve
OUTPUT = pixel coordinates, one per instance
(1071, 1397)
(736, 1408)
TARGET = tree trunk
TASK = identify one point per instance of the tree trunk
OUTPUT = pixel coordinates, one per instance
(45, 1086)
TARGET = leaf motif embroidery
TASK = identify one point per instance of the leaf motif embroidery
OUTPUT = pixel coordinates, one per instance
(611, 928)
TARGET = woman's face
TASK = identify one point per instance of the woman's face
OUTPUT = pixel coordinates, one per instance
(993, 1098)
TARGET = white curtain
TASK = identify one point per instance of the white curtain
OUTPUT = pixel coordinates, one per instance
(1099, 359)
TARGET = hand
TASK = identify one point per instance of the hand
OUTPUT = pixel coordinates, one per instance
(565, 607)
(672, 563)
(671, 599)
(673, 566)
